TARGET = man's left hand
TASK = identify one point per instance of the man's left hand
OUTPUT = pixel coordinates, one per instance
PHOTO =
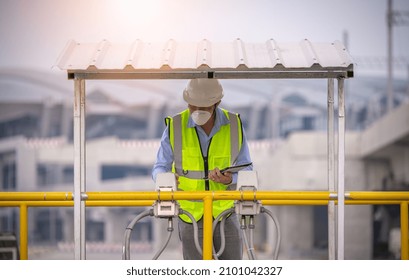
(216, 176)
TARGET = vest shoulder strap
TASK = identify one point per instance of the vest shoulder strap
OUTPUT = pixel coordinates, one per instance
(236, 135)
(177, 141)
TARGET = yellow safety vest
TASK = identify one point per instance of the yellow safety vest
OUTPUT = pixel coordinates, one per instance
(193, 166)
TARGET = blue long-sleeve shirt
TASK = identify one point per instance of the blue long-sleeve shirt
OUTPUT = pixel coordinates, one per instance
(164, 158)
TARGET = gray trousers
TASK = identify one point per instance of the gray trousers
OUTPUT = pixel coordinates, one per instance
(233, 243)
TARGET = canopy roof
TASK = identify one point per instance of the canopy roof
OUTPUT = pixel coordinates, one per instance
(205, 59)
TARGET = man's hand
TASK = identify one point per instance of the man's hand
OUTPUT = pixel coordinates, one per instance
(216, 176)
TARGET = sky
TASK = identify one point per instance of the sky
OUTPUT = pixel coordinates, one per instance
(34, 32)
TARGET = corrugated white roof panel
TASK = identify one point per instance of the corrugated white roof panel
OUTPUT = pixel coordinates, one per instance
(113, 57)
(151, 56)
(333, 54)
(185, 56)
(257, 56)
(231, 58)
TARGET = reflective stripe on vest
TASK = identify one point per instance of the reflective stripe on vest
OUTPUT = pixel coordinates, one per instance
(190, 162)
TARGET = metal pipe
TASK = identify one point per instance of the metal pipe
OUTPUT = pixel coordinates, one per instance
(322, 202)
(23, 232)
(95, 203)
(289, 202)
(83, 172)
(37, 203)
(389, 23)
(379, 195)
(296, 73)
(207, 228)
(107, 203)
(124, 203)
(79, 169)
(404, 220)
(331, 170)
(341, 170)
(138, 198)
(217, 195)
(44, 196)
(372, 202)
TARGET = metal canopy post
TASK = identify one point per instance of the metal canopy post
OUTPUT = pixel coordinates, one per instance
(79, 169)
(331, 170)
(341, 170)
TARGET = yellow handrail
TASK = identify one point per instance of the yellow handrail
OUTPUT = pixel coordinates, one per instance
(34, 196)
(129, 199)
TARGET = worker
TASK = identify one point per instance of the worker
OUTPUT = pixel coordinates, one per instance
(196, 144)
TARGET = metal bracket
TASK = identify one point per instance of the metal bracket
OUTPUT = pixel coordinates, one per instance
(84, 196)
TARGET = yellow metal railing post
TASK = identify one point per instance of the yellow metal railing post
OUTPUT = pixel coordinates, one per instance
(404, 230)
(23, 232)
(208, 228)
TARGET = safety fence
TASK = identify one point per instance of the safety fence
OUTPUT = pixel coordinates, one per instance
(24, 200)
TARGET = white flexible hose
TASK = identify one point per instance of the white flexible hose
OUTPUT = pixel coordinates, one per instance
(222, 235)
(249, 245)
(195, 230)
(127, 236)
(170, 230)
(278, 241)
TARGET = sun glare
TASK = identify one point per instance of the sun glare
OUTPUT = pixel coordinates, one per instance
(137, 11)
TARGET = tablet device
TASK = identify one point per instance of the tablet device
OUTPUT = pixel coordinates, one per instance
(235, 168)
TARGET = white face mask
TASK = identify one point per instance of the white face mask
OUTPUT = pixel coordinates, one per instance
(201, 117)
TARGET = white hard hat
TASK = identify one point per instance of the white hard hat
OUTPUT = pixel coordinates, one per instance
(203, 92)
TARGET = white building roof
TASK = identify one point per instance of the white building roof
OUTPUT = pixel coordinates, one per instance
(205, 59)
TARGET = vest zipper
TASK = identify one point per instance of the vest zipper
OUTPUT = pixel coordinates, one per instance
(205, 161)
(206, 164)
(206, 171)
